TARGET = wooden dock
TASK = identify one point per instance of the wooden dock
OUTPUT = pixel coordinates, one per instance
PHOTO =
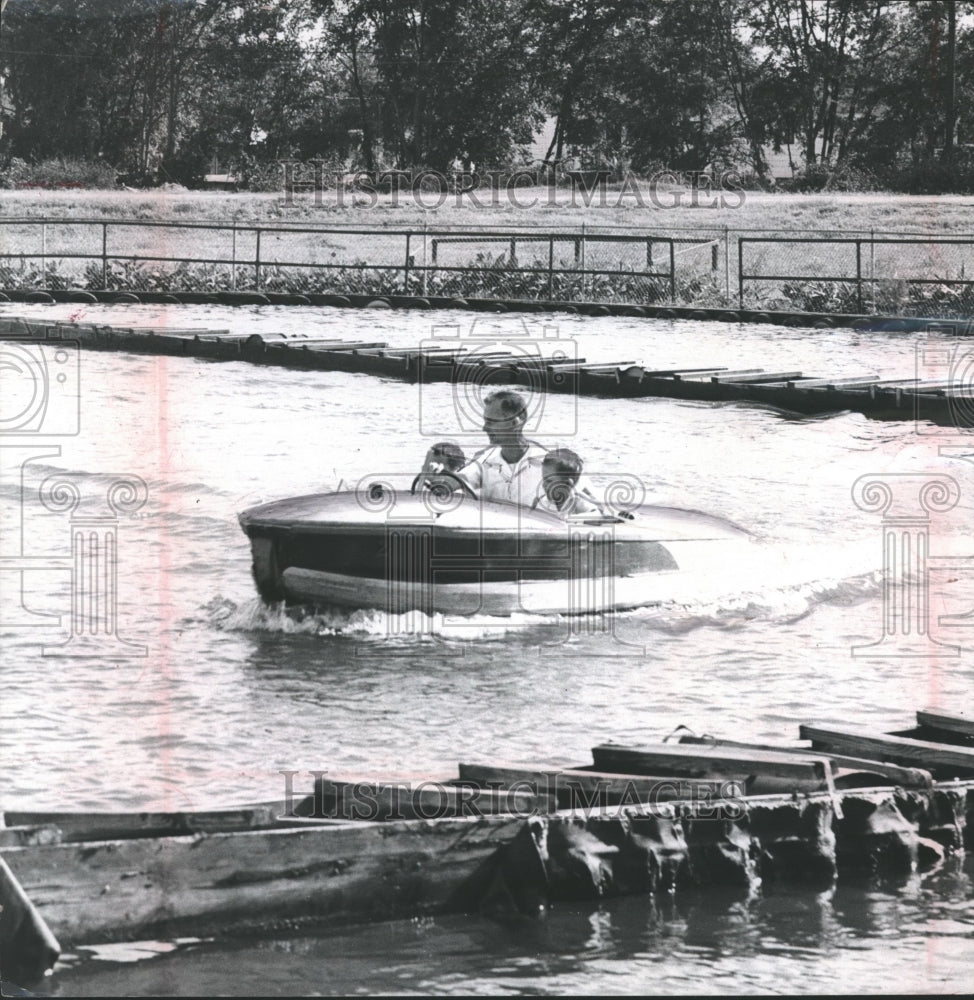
(943, 402)
(509, 839)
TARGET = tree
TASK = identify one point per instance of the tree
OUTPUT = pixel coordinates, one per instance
(434, 78)
(822, 55)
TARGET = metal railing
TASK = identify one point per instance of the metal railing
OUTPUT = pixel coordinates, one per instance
(103, 254)
(838, 272)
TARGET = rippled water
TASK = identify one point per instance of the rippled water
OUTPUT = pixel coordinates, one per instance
(230, 692)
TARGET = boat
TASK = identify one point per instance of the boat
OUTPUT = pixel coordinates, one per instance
(446, 551)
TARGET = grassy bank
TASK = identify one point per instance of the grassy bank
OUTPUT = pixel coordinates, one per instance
(665, 211)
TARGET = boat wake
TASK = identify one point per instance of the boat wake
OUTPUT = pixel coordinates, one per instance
(776, 585)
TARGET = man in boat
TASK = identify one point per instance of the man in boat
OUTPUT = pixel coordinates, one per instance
(510, 469)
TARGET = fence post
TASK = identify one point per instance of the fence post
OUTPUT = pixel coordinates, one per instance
(551, 267)
(672, 273)
(859, 274)
(584, 275)
(405, 276)
(425, 263)
(233, 266)
(872, 269)
(649, 253)
(257, 263)
(43, 249)
(726, 264)
(104, 256)
(713, 257)
(740, 272)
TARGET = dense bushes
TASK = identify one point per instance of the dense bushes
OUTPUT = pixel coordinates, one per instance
(486, 277)
(60, 172)
(885, 296)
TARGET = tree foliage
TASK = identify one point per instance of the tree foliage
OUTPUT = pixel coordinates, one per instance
(167, 85)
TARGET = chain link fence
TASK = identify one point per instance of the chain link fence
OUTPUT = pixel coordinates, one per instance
(868, 274)
(885, 273)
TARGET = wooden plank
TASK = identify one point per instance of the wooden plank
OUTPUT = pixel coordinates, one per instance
(769, 771)
(180, 332)
(28, 947)
(573, 787)
(734, 379)
(614, 367)
(833, 383)
(670, 372)
(318, 343)
(385, 801)
(908, 777)
(81, 826)
(710, 372)
(234, 882)
(957, 725)
(351, 347)
(893, 383)
(941, 760)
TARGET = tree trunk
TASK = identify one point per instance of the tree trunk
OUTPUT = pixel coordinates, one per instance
(950, 85)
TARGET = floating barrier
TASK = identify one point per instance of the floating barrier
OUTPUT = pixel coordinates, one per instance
(506, 839)
(947, 402)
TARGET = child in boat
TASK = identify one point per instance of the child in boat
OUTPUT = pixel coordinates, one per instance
(443, 460)
(560, 473)
(444, 456)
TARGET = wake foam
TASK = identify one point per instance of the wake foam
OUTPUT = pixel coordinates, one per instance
(255, 616)
(773, 584)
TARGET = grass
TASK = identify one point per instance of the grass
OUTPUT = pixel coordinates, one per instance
(794, 213)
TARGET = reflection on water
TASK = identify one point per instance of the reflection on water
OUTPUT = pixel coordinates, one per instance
(709, 942)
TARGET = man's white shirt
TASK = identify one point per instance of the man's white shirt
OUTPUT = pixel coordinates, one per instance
(494, 479)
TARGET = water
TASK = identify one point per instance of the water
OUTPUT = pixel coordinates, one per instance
(230, 692)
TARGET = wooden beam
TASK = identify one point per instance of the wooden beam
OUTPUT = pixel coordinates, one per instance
(234, 882)
(385, 801)
(764, 769)
(956, 725)
(733, 379)
(941, 760)
(710, 372)
(28, 947)
(572, 787)
(832, 383)
(908, 777)
(81, 826)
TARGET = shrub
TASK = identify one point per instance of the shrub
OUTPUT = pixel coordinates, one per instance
(62, 172)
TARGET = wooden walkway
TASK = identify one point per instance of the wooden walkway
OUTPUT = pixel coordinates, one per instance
(941, 402)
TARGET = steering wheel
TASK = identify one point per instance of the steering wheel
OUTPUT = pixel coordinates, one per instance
(423, 476)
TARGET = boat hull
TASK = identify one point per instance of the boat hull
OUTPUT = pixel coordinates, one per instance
(460, 556)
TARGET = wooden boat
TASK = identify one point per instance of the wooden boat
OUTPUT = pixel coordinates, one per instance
(448, 552)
